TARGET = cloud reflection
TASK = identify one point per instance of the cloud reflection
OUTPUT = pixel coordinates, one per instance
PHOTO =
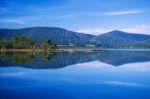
(14, 74)
(121, 83)
(138, 66)
(143, 67)
(94, 64)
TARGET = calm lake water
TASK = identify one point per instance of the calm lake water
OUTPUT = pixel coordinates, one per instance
(110, 74)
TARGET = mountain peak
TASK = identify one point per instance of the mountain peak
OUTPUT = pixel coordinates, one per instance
(116, 31)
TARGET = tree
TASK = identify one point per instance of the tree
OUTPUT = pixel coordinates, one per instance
(32, 43)
(46, 44)
(3, 43)
(16, 42)
(23, 42)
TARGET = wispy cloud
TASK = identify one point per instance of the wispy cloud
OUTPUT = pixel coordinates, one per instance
(65, 16)
(122, 12)
(20, 20)
(114, 13)
(109, 13)
(13, 21)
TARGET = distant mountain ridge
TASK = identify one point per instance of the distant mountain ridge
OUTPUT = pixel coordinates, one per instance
(113, 39)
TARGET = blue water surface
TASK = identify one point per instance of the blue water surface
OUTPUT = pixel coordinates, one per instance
(87, 80)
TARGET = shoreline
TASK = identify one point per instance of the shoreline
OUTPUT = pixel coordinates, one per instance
(70, 50)
(49, 50)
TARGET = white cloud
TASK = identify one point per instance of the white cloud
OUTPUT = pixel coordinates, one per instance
(66, 16)
(123, 12)
(139, 29)
(13, 21)
(95, 31)
(111, 13)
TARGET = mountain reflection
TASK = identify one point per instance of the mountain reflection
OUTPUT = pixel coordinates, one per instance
(43, 60)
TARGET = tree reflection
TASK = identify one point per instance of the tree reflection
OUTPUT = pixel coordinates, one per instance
(24, 57)
(44, 60)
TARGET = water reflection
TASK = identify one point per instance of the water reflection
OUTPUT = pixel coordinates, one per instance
(63, 59)
(88, 75)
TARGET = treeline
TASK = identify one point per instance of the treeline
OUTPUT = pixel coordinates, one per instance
(26, 43)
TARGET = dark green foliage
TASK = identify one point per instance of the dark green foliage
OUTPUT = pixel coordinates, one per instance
(25, 42)
(5, 44)
(46, 43)
(22, 42)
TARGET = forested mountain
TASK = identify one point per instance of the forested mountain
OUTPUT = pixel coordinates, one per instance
(56, 35)
(113, 39)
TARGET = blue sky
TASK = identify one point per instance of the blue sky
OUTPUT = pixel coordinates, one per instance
(89, 16)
